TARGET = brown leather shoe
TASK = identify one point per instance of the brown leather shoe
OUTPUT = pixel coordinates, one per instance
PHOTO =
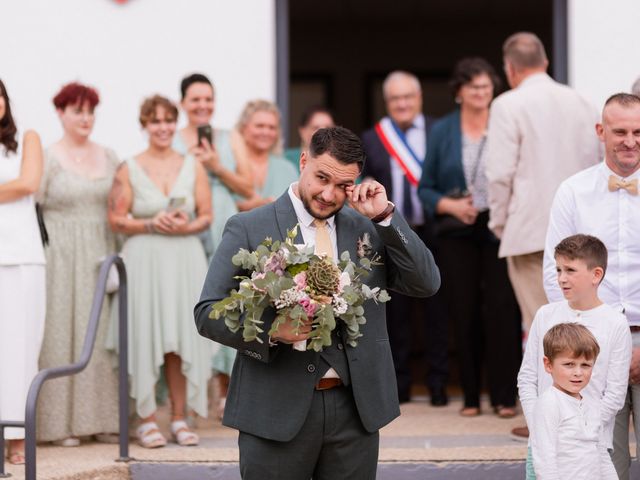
(520, 433)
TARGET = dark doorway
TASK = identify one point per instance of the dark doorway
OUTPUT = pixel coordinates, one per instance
(341, 50)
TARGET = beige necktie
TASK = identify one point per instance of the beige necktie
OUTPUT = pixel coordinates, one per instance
(323, 240)
(616, 183)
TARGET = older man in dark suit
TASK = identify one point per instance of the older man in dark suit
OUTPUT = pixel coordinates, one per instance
(304, 414)
(395, 149)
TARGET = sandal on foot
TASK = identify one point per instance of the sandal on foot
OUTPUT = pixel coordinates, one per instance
(504, 412)
(67, 442)
(149, 435)
(16, 458)
(470, 411)
(182, 435)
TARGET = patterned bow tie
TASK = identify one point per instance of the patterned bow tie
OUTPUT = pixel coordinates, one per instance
(630, 186)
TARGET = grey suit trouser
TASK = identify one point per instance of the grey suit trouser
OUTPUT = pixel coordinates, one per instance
(331, 445)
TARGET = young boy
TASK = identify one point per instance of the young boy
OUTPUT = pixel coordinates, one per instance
(581, 262)
(566, 433)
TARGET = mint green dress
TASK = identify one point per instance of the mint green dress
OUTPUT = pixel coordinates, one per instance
(222, 199)
(164, 277)
(280, 174)
(293, 156)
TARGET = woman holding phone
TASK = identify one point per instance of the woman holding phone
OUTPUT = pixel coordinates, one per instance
(162, 200)
(22, 273)
(214, 149)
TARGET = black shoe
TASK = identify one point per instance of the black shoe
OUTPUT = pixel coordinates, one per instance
(439, 397)
(404, 397)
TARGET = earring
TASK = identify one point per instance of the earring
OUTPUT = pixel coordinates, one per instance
(458, 100)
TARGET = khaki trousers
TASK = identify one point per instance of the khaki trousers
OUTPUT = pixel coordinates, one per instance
(525, 273)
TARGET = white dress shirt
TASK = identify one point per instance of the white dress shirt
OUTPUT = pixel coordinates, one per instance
(610, 376)
(416, 137)
(565, 439)
(583, 204)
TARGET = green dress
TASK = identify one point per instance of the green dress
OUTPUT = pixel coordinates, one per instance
(75, 212)
(280, 174)
(293, 156)
(164, 275)
(222, 199)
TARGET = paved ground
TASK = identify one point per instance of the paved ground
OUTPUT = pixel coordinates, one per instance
(425, 442)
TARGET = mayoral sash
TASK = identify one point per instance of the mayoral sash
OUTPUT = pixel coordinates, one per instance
(395, 142)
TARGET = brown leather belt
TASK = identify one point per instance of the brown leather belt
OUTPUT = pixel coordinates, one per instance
(327, 383)
(634, 328)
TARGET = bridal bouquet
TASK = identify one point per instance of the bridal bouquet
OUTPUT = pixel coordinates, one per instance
(301, 286)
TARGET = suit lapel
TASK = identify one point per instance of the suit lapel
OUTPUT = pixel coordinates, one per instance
(346, 234)
(286, 217)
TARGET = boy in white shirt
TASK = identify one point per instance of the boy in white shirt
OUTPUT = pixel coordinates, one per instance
(567, 430)
(581, 262)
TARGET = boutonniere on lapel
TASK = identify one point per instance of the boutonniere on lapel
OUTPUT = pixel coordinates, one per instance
(364, 247)
(301, 286)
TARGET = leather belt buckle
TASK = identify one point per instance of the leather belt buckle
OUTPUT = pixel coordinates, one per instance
(328, 383)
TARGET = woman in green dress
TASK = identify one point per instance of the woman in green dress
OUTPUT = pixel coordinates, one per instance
(162, 200)
(259, 127)
(227, 175)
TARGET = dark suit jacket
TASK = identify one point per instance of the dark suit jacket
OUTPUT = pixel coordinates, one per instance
(378, 163)
(442, 172)
(272, 387)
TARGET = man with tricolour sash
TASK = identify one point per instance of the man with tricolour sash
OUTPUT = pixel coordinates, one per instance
(396, 148)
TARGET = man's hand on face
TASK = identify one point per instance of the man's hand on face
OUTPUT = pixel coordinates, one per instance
(369, 199)
(634, 369)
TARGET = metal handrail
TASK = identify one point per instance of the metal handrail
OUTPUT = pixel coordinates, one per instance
(67, 370)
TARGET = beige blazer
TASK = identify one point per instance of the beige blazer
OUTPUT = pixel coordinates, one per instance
(540, 133)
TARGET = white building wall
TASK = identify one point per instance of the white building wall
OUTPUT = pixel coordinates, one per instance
(129, 51)
(604, 47)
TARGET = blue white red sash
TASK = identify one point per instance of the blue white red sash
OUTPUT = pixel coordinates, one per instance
(395, 142)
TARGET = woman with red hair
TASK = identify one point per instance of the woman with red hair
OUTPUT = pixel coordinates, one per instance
(73, 193)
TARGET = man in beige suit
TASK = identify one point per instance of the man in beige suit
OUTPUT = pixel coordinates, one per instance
(540, 133)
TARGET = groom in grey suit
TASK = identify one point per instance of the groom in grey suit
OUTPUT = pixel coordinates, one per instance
(303, 414)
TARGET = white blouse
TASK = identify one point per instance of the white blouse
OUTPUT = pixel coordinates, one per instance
(20, 241)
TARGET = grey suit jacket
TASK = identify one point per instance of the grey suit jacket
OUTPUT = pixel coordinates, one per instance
(272, 387)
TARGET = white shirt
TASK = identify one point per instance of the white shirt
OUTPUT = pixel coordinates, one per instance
(416, 137)
(565, 439)
(610, 376)
(583, 204)
(307, 227)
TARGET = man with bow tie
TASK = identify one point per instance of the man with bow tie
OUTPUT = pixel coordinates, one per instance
(603, 201)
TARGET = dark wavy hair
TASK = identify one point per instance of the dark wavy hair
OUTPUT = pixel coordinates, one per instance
(8, 128)
(469, 67)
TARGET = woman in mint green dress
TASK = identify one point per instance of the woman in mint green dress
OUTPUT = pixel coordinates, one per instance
(227, 176)
(259, 126)
(161, 200)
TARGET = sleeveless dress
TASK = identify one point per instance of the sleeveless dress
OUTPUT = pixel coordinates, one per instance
(223, 207)
(75, 212)
(165, 275)
(222, 199)
(22, 297)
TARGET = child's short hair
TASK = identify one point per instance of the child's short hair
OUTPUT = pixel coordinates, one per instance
(570, 337)
(584, 247)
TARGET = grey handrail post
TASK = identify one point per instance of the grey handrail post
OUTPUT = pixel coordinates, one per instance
(85, 356)
(123, 362)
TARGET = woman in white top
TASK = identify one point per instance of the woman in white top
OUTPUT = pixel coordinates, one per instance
(22, 274)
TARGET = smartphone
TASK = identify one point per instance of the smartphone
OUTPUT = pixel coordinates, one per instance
(205, 131)
(175, 203)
